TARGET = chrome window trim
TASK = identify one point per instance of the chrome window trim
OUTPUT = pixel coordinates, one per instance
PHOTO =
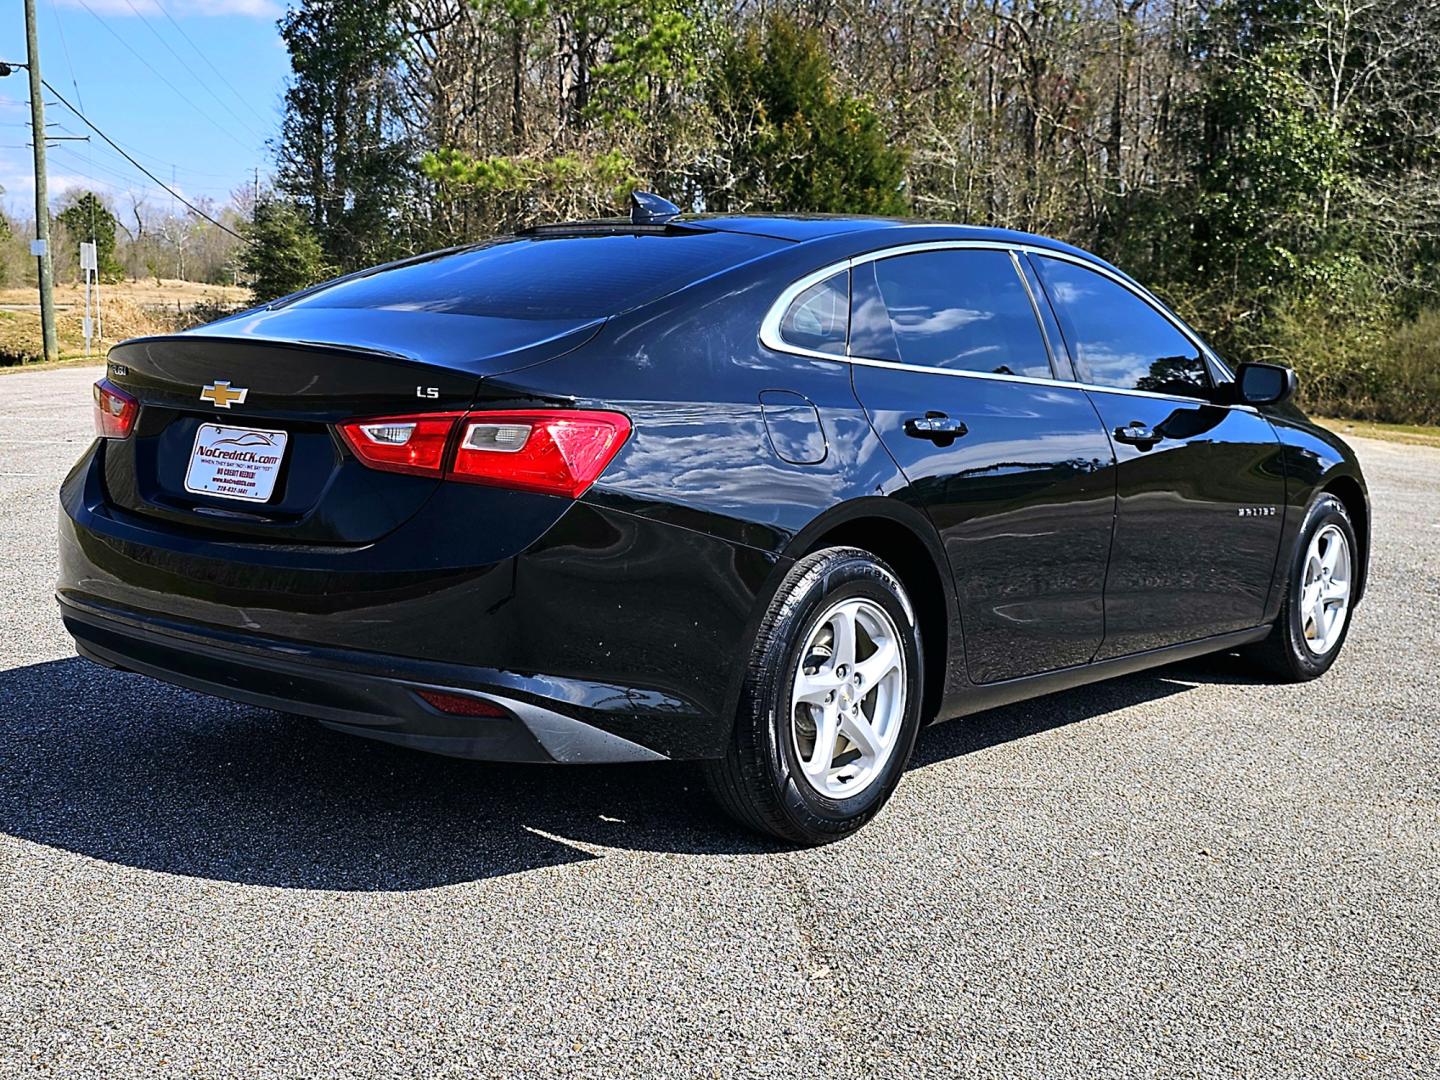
(770, 335)
(1040, 324)
(770, 326)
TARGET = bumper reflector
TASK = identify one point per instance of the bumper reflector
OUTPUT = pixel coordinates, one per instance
(460, 704)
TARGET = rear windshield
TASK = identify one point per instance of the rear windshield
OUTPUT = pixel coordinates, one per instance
(552, 277)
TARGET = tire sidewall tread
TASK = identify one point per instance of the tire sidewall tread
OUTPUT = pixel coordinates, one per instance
(1284, 653)
(757, 781)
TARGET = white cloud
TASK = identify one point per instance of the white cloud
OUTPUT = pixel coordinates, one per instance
(260, 9)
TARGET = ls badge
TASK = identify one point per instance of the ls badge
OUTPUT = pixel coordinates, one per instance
(222, 395)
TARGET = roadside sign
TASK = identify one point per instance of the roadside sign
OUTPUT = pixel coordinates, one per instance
(37, 248)
(88, 260)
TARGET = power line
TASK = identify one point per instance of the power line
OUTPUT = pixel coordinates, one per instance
(180, 198)
(193, 73)
(157, 162)
(154, 71)
(65, 47)
(109, 157)
(109, 170)
(211, 65)
(107, 181)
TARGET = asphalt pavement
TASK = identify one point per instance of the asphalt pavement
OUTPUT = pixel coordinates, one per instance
(1182, 873)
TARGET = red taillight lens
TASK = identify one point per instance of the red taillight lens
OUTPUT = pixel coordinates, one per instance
(115, 411)
(557, 452)
(403, 444)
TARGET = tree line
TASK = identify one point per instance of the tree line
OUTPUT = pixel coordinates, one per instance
(1269, 166)
(135, 237)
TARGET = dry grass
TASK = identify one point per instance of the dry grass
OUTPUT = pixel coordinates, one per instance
(129, 309)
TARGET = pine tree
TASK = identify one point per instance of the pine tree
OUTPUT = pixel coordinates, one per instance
(283, 255)
(793, 141)
(87, 219)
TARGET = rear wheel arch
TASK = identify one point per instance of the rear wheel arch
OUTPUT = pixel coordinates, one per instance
(906, 541)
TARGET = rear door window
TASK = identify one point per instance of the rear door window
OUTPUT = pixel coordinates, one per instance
(1117, 338)
(964, 310)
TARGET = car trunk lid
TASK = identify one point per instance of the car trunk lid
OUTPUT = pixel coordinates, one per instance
(230, 398)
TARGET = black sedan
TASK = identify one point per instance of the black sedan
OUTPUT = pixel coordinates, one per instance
(766, 492)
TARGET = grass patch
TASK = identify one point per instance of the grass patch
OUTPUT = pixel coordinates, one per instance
(1414, 434)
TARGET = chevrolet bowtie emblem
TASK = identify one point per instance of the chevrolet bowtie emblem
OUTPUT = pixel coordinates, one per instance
(223, 395)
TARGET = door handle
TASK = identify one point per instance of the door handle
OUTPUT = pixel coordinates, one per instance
(937, 427)
(1138, 434)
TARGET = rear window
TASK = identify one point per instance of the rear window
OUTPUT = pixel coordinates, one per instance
(552, 277)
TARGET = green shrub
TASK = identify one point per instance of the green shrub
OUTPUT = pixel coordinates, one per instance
(1362, 367)
(1408, 363)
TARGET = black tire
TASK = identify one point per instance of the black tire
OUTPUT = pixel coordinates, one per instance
(759, 781)
(1284, 654)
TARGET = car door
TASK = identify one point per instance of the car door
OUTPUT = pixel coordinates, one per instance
(1200, 487)
(1014, 468)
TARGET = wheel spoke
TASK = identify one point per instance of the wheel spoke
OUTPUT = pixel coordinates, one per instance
(1309, 606)
(1330, 559)
(857, 728)
(826, 733)
(842, 651)
(1321, 617)
(1336, 589)
(874, 668)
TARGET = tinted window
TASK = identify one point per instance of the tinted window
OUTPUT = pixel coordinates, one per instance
(1117, 338)
(557, 277)
(962, 309)
(819, 318)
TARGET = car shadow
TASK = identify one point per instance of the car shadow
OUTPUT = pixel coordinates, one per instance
(124, 769)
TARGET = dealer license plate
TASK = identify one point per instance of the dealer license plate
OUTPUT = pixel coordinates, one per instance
(235, 463)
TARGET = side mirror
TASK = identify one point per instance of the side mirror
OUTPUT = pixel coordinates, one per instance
(1265, 384)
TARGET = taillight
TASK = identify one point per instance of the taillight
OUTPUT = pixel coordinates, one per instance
(554, 451)
(560, 452)
(115, 410)
(403, 444)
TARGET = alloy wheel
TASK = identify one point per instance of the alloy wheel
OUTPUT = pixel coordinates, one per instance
(848, 702)
(1325, 589)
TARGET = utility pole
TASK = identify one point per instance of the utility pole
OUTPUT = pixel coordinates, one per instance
(42, 198)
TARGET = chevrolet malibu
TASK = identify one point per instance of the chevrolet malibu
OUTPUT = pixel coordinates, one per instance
(770, 493)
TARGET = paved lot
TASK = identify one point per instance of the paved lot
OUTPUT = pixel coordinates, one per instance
(1183, 873)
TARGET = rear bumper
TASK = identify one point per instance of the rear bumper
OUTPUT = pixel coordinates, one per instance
(634, 627)
(363, 694)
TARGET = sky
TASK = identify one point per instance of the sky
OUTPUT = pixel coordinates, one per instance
(149, 84)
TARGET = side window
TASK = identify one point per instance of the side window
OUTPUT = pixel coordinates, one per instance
(1117, 338)
(962, 309)
(819, 317)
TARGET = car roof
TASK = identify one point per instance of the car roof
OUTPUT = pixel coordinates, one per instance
(807, 227)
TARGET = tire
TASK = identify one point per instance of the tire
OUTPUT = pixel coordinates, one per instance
(776, 776)
(1289, 653)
